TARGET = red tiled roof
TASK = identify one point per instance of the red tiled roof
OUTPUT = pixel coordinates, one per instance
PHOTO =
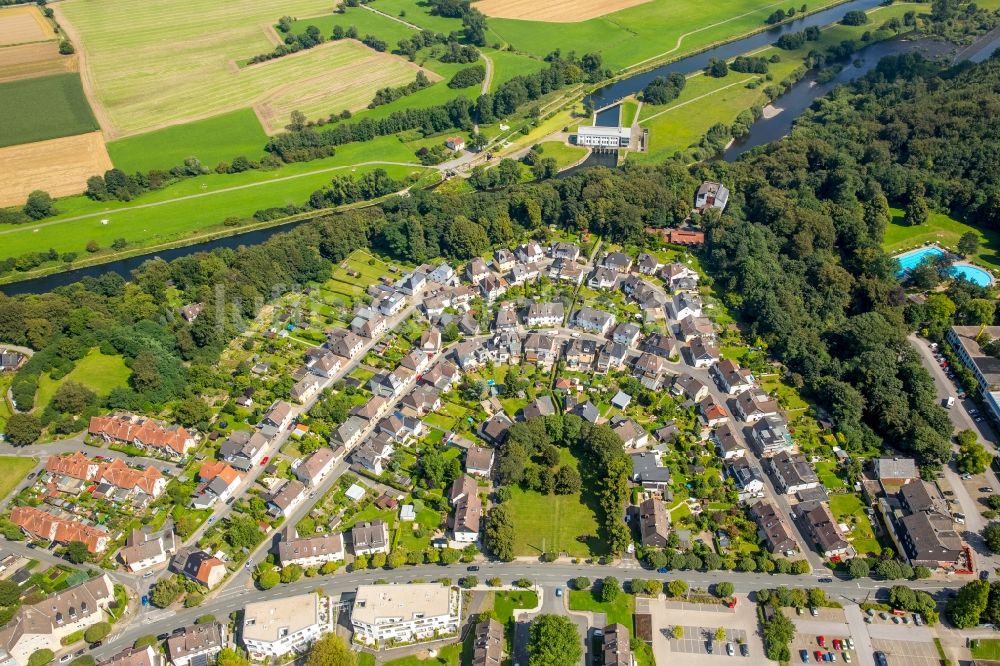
(213, 468)
(45, 525)
(129, 428)
(75, 465)
(118, 474)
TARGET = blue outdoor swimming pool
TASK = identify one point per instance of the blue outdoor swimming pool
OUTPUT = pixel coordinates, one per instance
(910, 260)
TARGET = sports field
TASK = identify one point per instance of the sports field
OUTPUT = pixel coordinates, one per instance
(658, 28)
(23, 24)
(58, 166)
(98, 372)
(152, 65)
(194, 206)
(29, 60)
(61, 96)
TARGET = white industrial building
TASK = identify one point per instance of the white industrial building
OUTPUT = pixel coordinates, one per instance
(603, 137)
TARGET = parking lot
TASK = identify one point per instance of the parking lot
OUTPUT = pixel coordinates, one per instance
(700, 622)
(908, 653)
(698, 639)
(810, 643)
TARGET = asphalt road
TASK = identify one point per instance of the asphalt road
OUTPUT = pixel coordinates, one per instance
(551, 575)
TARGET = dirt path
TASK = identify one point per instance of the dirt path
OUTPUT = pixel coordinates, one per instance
(489, 74)
(201, 195)
(681, 38)
(86, 76)
(393, 18)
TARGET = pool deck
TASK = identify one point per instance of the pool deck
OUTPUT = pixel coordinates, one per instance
(935, 249)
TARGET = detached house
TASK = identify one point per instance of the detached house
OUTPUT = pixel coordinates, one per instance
(288, 498)
(703, 353)
(306, 388)
(691, 328)
(711, 412)
(647, 264)
(792, 472)
(632, 434)
(196, 644)
(317, 466)
(370, 538)
(146, 548)
(770, 435)
(279, 415)
(679, 276)
(349, 432)
(375, 453)
(627, 334)
(752, 406)
(746, 476)
(660, 344)
(731, 378)
(541, 349)
(580, 352)
(727, 444)
(593, 321)
(467, 517)
(566, 251)
(530, 253)
(711, 195)
(345, 343)
(602, 278)
(619, 262)
(476, 270)
(199, 566)
(649, 368)
(503, 260)
(479, 461)
(654, 525)
(423, 399)
(391, 384)
(684, 305)
(311, 551)
(690, 388)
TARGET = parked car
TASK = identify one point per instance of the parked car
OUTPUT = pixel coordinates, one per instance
(819, 655)
(832, 656)
(263, 461)
(918, 619)
(871, 612)
(826, 580)
(821, 640)
(663, 570)
(836, 643)
(847, 657)
(558, 591)
(145, 600)
(850, 643)
(730, 650)
(744, 650)
(880, 659)
(813, 611)
(162, 637)
(986, 489)
(708, 647)
(66, 657)
(472, 568)
(804, 656)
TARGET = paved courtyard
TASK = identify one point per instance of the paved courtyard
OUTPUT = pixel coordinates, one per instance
(913, 652)
(697, 639)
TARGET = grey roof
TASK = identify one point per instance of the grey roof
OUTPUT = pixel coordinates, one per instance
(540, 406)
(895, 469)
(195, 639)
(646, 469)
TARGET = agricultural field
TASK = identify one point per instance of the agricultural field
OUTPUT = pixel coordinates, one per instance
(196, 205)
(213, 140)
(27, 61)
(98, 372)
(706, 101)
(557, 11)
(61, 95)
(58, 166)
(365, 21)
(944, 230)
(187, 59)
(628, 37)
(15, 468)
(23, 25)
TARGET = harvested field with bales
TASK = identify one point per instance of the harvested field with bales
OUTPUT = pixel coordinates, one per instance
(27, 61)
(61, 95)
(58, 166)
(553, 11)
(24, 24)
(152, 65)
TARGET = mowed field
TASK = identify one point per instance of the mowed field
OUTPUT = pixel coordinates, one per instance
(553, 11)
(29, 60)
(152, 65)
(22, 102)
(328, 78)
(658, 28)
(23, 24)
(58, 166)
(213, 140)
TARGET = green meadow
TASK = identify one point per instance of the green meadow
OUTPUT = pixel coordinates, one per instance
(213, 140)
(98, 372)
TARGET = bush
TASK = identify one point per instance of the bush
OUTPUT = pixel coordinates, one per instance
(610, 589)
(467, 77)
(144, 641)
(97, 632)
(41, 657)
(581, 583)
(269, 579)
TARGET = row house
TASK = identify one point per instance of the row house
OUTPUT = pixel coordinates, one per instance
(311, 551)
(679, 277)
(792, 472)
(772, 528)
(416, 361)
(39, 524)
(712, 413)
(506, 319)
(593, 321)
(350, 432)
(306, 388)
(196, 644)
(369, 324)
(544, 314)
(171, 441)
(411, 283)
(654, 523)
(564, 270)
(522, 273)
(345, 343)
(822, 528)
(370, 538)
(199, 566)
(470, 355)
(580, 353)
(493, 287)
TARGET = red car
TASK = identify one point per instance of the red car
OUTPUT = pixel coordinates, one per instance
(819, 655)
(836, 643)
(264, 460)
(821, 640)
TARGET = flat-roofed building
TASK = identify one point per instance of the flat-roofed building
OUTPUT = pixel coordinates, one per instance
(603, 137)
(967, 340)
(278, 627)
(405, 613)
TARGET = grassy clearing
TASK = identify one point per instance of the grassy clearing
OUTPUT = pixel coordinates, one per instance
(210, 200)
(61, 95)
(563, 153)
(507, 65)
(628, 113)
(707, 101)
(619, 610)
(366, 22)
(449, 655)
(15, 468)
(418, 13)
(986, 648)
(553, 523)
(633, 35)
(162, 64)
(212, 140)
(96, 371)
(944, 230)
(850, 510)
(504, 603)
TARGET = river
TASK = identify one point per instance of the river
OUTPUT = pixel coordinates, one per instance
(793, 103)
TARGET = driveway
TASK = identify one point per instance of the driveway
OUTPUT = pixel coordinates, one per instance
(550, 605)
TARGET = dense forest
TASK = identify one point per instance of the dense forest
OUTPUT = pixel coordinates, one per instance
(797, 254)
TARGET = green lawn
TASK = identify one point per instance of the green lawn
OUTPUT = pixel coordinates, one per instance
(196, 205)
(96, 371)
(5, 410)
(826, 470)
(849, 509)
(619, 610)
(213, 140)
(504, 603)
(449, 655)
(986, 648)
(649, 30)
(553, 523)
(507, 65)
(628, 112)
(15, 468)
(66, 111)
(366, 22)
(563, 153)
(944, 230)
